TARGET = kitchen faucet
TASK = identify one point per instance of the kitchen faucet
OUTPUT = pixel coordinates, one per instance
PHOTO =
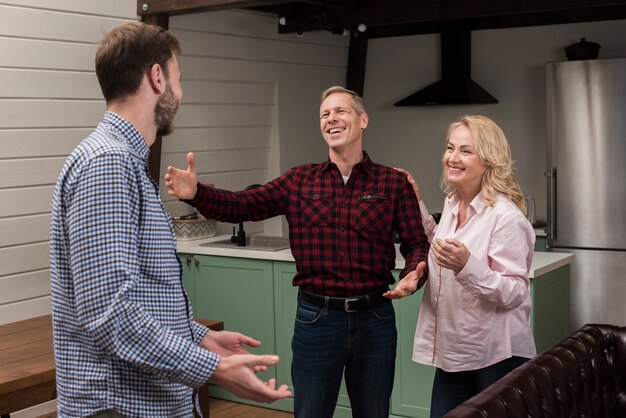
(240, 237)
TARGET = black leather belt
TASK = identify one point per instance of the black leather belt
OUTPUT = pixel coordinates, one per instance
(349, 304)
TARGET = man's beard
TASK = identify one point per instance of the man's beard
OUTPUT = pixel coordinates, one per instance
(164, 112)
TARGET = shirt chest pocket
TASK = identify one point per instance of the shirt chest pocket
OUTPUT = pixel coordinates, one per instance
(317, 209)
(373, 213)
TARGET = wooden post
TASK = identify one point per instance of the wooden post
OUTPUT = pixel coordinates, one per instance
(357, 54)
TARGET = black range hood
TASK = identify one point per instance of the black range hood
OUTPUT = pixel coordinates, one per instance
(455, 87)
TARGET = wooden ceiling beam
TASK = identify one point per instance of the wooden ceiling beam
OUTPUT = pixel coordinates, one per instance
(177, 7)
(432, 14)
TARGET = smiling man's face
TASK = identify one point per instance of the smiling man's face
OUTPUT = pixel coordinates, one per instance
(341, 125)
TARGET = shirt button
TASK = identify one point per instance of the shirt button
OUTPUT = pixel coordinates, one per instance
(315, 196)
(343, 228)
(343, 205)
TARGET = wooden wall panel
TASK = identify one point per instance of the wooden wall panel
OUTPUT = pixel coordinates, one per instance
(108, 8)
(25, 286)
(24, 258)
(197, 115)
(38, 84)
(24, 229)
(51, 25)
(232, 66)
(19, 113)
(24, 309)
(217, 138)
(30, 171)
(203, 68)
(38, 142)
(223, 161)
(25, 201)
(49, 101)
(46, 55)
(222, 92)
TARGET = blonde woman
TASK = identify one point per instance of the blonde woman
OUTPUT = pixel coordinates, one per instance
(473, 324)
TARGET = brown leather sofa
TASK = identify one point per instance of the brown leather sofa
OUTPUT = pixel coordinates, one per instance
(582, 376)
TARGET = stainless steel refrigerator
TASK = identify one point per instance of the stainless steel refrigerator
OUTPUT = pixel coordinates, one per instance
(586, 104)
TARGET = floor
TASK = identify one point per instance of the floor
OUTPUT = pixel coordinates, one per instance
(225, 409)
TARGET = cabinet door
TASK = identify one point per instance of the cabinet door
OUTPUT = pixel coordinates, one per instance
(413, 382)
(549, 316)
(286, 296)
(240, 292)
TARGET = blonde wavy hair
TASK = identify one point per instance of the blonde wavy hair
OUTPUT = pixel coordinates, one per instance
(494, 151)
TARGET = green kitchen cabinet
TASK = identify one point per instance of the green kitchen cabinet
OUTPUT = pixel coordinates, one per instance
(238, 291)
(549, 316)
(286, 297)
(413, 382)
(257, 297)
(540, 243)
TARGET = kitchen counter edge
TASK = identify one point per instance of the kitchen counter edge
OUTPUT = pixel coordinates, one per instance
(543, 262)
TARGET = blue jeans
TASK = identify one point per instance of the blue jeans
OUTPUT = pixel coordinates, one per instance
(450, 389)
(325, 342)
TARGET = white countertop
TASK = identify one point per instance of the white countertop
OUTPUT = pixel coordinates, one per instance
(543, 262)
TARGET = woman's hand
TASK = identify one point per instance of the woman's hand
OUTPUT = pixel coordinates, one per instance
(416, 187)
(450, 253)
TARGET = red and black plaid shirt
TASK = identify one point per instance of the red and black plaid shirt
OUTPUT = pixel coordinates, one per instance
(341, 236)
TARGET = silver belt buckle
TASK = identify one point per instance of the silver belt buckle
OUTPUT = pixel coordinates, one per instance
(346, 304)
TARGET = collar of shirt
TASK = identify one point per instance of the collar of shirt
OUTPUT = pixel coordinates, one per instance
(477, 204)
(366, 163)
(126, 132)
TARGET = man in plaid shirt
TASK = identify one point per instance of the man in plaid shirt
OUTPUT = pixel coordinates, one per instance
(125, 342)
(341, 214)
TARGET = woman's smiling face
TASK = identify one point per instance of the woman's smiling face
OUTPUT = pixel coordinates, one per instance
(463, 167)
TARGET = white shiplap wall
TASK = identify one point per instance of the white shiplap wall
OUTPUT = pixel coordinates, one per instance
(237, 71)
(49, 101)
(234, 67)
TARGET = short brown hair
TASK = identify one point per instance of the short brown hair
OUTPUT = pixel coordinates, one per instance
(128, 52)
(357, 101)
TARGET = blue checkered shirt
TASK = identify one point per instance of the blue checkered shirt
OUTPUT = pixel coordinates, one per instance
(124, 338)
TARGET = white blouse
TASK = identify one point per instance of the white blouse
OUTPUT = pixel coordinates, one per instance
(480, 316)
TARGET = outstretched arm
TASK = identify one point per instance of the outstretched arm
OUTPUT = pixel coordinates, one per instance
(182, 184)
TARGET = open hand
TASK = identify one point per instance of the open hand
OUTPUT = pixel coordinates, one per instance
(182, 184)
(237, 374)
(408, 284)
(227, 343)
